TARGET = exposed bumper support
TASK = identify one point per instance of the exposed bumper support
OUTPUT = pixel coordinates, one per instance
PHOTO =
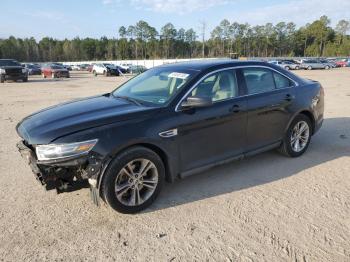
(64, 176)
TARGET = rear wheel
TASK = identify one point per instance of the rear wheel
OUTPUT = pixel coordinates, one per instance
(297, 137)
(133, 180)
(287, 68)
(327, 67)
(309, 68)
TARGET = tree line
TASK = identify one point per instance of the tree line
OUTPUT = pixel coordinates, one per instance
(142, 41)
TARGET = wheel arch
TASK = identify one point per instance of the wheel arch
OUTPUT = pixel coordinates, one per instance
(308, 114)
(169, 177)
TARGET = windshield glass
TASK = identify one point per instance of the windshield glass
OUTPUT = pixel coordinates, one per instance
(156, 86)
(109, 65)
(57, 67)
(9, 63)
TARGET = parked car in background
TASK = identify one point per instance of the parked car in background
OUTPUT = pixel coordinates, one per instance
(170, 122)
(122, 70)
(327, 62)
(126, 66)
(137, 69)
(68, 67)
(84, 67)
(90, 67)
(343, 62)
(76, 67)
(32, 69)
(54, 71)
(12, 70)
(288, 65)
(105, 69)
(309, 64)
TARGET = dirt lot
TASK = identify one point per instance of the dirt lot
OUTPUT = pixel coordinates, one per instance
(266, 208)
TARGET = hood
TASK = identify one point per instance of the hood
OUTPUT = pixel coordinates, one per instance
(46, 125)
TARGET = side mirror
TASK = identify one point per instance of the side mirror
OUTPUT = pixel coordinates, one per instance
(195, 102)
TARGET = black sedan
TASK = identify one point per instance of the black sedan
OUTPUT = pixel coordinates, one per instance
(170, 122)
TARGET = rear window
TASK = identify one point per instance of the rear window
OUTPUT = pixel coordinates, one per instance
(281, 81)
(260, 80)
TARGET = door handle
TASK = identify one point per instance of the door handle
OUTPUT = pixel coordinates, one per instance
(235, 109)
(289, 97)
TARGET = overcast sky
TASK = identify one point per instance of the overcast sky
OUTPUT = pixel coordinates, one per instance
(95, 18)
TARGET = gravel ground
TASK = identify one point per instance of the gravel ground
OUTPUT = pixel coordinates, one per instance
(265, 208)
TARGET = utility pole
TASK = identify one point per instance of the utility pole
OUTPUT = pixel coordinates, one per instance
(203, 27)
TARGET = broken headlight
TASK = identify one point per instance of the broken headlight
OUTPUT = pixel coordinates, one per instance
(59, 151)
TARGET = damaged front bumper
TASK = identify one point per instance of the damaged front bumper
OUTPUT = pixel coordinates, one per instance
(64, 175)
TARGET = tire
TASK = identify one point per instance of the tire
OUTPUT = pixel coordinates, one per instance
(53, 75)
(309, 68)
(2, 80)
(132, 159)
(287, 147)
(94, 72)
(105, 73)
(25, 79)
(297, 68)
(327, 67)
(43, 75)
(287, 68)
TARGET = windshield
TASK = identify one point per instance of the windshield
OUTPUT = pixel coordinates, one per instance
(109, 65)
(57, 67)
(9, 63)
(156, 86)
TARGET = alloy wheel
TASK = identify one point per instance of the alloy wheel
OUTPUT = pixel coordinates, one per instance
(300, 136)
(136, 182)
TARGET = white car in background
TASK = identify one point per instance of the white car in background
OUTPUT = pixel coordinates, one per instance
(76, 67)
(105, 69)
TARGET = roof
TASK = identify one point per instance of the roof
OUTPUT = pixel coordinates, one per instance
(210, 63)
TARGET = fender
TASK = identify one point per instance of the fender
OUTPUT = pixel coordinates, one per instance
(171, 162)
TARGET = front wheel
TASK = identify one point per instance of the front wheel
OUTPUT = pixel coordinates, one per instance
(309, 68)
(133, 180)
(327, 67)
(297, 137)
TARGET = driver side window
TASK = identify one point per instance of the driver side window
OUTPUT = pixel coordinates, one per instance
(218, 86)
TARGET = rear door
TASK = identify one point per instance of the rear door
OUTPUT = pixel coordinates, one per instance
(270, 96)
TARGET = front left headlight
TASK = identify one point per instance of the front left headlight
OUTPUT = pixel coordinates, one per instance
(60, 151)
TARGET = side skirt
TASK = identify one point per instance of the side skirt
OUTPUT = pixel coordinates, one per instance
(228, 160)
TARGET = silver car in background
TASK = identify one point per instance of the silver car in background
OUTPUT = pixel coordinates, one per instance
(310, 64)
(288, 65)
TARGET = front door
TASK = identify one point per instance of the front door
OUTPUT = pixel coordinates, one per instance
(217, 132)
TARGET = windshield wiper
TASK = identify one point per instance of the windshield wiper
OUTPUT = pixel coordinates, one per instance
(130, 99)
